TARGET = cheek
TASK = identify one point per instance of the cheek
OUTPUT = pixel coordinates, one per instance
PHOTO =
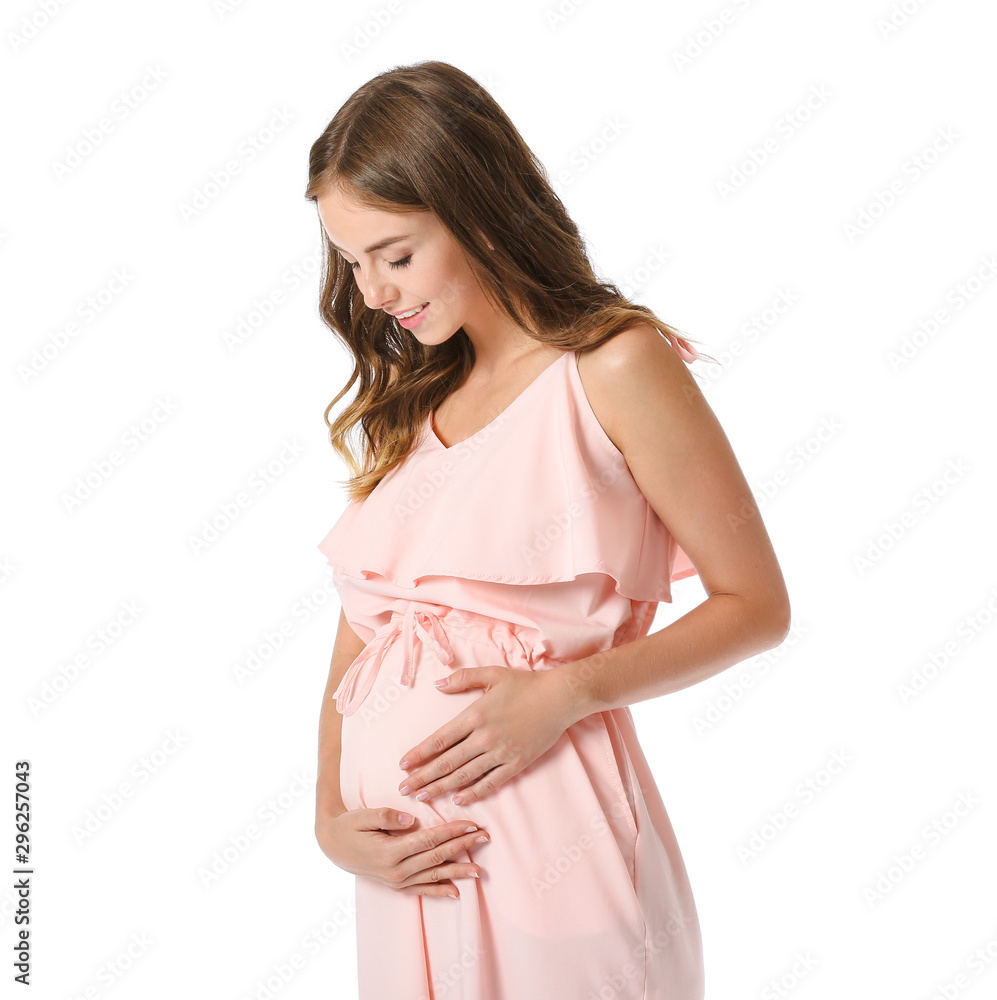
(450, 283)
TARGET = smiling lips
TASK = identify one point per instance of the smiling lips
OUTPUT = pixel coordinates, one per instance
(411, 312)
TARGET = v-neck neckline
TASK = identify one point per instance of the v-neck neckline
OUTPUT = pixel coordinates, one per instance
(434, 437)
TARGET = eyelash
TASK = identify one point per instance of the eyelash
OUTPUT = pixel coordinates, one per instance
(404, 262)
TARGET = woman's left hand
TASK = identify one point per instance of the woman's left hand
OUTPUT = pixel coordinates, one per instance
(521, 715)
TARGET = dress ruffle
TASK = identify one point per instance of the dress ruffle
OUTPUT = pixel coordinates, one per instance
(572, 507)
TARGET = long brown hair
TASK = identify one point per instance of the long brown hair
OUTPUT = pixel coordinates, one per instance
(429, 137)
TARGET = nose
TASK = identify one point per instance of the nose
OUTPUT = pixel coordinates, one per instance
(375, 292)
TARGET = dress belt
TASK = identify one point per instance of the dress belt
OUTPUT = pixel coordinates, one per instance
(415, 621)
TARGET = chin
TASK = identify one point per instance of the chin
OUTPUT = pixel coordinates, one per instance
(433, 339)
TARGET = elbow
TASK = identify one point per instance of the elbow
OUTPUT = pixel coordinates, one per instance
(767, 620)
(777, 620)
(770, 621)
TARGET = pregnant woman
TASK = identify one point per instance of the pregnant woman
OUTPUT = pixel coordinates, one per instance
(534, 466)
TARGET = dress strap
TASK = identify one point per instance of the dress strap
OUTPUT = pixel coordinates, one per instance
(686, 351)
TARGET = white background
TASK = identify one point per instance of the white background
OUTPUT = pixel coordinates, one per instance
(874, 475)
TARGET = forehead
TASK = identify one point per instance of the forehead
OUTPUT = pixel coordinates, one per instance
(352, 227)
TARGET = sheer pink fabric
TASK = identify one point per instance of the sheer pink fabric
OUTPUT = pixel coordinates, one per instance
(527, 546)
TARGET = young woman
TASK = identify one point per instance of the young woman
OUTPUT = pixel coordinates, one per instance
(526, 433)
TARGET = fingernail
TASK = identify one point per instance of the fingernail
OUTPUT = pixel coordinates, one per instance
(452, 895)
(474, 875)
(470, 829)
(404, 818)
(405, 765)
(481, 840)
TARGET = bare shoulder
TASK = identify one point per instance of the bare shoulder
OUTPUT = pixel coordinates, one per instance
(626, 376)
(652, 409)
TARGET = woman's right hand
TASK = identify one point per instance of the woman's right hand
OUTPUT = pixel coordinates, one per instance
(363, 841)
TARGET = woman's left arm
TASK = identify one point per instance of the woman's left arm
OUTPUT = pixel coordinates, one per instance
(651, 408)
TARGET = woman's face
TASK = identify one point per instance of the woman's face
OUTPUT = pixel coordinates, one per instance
(425, 266)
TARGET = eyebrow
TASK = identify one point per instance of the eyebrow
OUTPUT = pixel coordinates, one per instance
(379, 245)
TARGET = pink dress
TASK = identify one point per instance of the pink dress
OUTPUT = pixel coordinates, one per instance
(527, 546)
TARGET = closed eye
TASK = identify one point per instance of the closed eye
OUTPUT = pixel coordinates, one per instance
(404, 262)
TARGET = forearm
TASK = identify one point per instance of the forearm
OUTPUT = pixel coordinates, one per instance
(723, 630)
(328, 795)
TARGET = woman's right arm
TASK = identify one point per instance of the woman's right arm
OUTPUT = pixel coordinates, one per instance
(328, 795)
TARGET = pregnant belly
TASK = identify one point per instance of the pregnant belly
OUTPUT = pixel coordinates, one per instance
(402, 707)
(560, 861)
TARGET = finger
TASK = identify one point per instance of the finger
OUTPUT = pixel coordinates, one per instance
(440, 767)
(444, 738)
(383, 818)
(424, 858)
(421, 866)
(457, 779)
(442, 873)
(487, 785)
(464, 679)
(458, 831)
(443, 889)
